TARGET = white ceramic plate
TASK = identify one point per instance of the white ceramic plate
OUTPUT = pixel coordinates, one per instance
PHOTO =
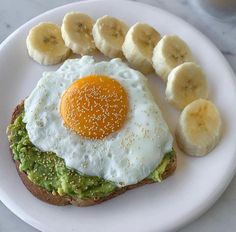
(197, 182)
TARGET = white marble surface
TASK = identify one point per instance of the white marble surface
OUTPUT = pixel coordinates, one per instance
(221, 217)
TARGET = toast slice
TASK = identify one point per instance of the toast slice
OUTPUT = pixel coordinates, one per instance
(56, 199)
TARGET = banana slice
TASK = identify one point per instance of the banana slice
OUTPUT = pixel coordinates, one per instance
(199, 128)
(170, 52)
(186, 83)
(138, 46)
(109, 34)
(45, 44)
(76, 31)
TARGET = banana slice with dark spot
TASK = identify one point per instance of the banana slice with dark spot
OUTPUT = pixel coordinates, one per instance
(77, 33)
(186, 83)
(138, 46)
(45, 44)
(199, 128)
(109, 34)
(170, 52)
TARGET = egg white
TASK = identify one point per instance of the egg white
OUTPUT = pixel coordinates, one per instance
(125, 157)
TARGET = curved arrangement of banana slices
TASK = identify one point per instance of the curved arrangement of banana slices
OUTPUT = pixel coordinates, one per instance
(138, 46)
(199, 129)
(170, 52)
(109, 34)
(186, 83)
(77, 33)
(45, 44)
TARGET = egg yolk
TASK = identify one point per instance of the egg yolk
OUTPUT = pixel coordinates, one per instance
(94, 106)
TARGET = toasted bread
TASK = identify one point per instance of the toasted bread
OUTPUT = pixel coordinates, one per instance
(50, 198)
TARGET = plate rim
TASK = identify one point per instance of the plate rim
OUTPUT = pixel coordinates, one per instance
(230, 174)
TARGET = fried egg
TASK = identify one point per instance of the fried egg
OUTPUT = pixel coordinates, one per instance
(100, 118)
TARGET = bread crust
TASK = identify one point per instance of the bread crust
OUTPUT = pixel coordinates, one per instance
(56, 199)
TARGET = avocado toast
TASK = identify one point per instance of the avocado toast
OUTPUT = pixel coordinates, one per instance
(48, 179)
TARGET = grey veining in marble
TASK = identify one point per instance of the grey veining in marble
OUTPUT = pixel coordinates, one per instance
(221, 217)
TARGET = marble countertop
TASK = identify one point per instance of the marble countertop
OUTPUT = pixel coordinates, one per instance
(221, 217)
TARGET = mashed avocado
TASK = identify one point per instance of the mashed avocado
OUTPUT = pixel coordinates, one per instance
(50, 172)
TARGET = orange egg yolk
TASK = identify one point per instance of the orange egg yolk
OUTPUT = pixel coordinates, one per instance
(94, 106)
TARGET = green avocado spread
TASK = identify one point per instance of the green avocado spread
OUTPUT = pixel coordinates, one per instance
(49, 171)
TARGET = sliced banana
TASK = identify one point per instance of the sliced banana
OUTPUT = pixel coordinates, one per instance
(138, 46)
(199, 128)
(45, 44)
(186, 83)
(76, 31)
(109, 34)
(170, 52)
